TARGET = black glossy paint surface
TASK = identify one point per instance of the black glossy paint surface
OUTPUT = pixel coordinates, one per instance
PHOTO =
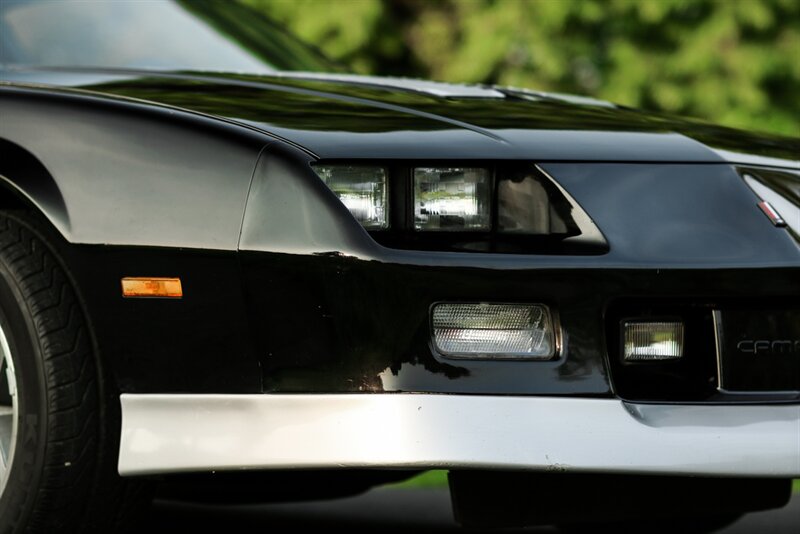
(344, 314)
(200, 343)
(130, 174)
(336, 119)
(713, 326)
(653, 216)
(677, 216)
(346, 325)
(311, 302)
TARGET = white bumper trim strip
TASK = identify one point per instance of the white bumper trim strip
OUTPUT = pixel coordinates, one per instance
(182, 433)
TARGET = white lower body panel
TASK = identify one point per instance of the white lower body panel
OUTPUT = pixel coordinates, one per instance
(183, 433)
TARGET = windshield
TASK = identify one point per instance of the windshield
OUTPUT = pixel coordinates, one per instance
(205, 35)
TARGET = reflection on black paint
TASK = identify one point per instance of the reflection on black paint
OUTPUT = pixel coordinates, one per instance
(332, 324)
(293, 106)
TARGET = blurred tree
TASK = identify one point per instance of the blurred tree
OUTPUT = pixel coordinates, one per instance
(735, 62)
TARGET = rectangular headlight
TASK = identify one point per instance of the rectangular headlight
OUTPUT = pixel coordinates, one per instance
(361, 189)
(656, 340)
(493, 331)
(452, 198)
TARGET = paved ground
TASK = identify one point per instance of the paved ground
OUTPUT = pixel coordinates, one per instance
(392, 510)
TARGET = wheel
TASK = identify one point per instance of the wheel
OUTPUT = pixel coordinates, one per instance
(57, 433)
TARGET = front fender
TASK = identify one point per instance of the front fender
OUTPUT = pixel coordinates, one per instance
(123, 172)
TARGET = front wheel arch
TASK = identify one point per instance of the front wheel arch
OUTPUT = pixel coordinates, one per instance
(26, 184)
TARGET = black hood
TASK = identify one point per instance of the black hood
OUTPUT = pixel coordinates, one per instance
(335, 116)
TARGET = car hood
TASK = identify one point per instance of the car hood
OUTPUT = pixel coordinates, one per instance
(353, 117)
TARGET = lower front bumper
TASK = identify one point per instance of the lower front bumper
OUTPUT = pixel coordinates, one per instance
(183, 433)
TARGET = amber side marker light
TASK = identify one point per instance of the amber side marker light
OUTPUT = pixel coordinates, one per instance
(152, 287)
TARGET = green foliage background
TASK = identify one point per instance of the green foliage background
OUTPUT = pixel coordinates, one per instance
(734, 62)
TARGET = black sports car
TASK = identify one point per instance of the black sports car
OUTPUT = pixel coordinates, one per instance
(222, 267)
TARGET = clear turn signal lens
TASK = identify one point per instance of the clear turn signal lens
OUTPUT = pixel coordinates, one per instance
(361, 189)
(493, 331)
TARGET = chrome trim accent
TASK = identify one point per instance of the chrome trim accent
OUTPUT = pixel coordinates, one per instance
(717, 320)
(183, 433)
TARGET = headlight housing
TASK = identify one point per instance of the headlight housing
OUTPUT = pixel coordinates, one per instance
(501, 207)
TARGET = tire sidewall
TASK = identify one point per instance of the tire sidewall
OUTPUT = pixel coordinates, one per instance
(27, 462)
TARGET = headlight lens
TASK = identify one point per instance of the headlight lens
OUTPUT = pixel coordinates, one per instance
(493, 331)
(451, 198)
(361, 189)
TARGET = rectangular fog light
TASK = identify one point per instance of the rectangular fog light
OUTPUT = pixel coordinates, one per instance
(656, 340)
(493, 331)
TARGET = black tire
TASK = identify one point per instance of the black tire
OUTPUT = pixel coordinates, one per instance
(63, 474)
